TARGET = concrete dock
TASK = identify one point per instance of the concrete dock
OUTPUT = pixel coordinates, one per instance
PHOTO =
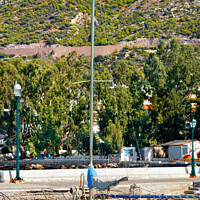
(56, 184)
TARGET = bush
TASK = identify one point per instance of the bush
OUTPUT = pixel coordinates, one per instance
(6, 149)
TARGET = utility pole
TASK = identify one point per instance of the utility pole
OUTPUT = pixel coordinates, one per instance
(17, 93)
(92, 88)
(193, 123)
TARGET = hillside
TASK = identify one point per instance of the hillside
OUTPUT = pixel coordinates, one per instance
(67, 23)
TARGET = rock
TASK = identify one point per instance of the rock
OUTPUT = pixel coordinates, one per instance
(109, 165)
(97, 166)
(84, 167)
(115, 165)
(37, 166)
(63, 167)
(6, 167)
(104, 165)
(28, 167)
(112, 165)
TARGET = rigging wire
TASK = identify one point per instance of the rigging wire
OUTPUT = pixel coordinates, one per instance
(108, 60)
(4, 196)
(137, 144)
(141, 161)
(151, 191)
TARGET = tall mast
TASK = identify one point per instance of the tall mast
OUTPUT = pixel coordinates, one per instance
(92, 89)
(92, 83)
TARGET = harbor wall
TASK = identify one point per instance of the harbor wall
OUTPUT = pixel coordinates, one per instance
(104, 173)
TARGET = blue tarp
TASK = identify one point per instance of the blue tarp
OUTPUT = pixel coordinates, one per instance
(91, 172)
(126, 152)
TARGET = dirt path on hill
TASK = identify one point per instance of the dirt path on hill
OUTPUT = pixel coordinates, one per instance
(28, 50)
(58, 51)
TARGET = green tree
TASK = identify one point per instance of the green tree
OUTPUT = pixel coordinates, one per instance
(173, 72)
(8, 77)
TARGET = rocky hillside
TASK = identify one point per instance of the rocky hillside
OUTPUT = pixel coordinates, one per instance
(67, 23)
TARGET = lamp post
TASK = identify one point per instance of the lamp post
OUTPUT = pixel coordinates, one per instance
(193, 124)
(17, 93)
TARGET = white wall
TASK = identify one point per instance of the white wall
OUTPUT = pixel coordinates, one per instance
(177, 152)
(104, 174)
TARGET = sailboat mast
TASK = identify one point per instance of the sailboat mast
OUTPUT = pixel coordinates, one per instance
(92, 89)
(92, 83)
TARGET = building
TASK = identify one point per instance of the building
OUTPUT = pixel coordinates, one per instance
(128, 154)
(178, 148)
(147, 153)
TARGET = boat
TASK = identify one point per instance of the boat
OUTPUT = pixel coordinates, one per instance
(92, 176)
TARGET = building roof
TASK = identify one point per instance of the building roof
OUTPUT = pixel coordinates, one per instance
(177, 143)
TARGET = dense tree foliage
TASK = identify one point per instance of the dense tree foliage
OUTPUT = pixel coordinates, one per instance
(173, 73)
(54, 108)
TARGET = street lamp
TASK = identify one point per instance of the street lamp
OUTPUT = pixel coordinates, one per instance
(17, 93)
(193, 124)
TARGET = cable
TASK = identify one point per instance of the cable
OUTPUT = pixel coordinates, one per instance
(137, 144)
(3, 195)
(151, 191)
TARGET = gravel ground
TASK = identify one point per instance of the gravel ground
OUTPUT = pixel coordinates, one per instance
(49, 190)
